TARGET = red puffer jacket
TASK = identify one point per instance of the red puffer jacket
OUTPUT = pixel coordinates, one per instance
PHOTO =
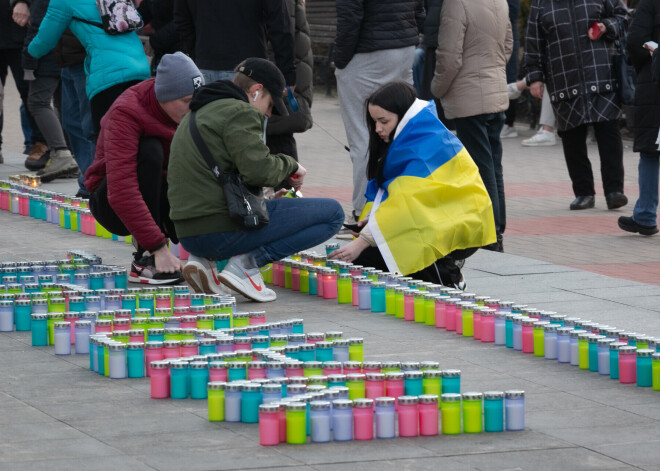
(135, 114)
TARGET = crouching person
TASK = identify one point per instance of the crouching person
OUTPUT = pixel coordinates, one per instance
(128, 179)
(230, 119)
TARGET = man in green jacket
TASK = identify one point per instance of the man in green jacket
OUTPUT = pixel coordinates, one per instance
(230, 119)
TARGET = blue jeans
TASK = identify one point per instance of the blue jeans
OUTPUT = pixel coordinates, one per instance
(77, 119)
(646, 208)
(213, 75)
(481, 137)
(295, 225)
(418, 70)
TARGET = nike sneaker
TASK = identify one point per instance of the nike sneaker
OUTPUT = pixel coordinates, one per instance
(247, 281)
(203, 276)
(143, 270)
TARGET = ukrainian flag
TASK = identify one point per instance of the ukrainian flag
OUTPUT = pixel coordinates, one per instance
(433, 200)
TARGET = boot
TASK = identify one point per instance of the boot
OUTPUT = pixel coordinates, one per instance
(61, 164)
(38, 157)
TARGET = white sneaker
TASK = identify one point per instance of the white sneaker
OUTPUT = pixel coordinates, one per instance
(203, 277)
(541, 138)
(508, 132)
(247, 281)
(512, 90)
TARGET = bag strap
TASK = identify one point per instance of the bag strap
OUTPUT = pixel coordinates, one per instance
(93, 23)
(202, 147)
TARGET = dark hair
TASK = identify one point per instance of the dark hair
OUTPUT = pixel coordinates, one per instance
(395, 97)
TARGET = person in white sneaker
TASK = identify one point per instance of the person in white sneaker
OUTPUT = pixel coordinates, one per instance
(229, 121)
(545, 136)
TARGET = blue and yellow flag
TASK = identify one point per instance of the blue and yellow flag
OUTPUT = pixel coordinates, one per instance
(433, 200)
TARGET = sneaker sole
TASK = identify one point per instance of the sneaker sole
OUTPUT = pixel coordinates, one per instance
(545, 144)
(637, 230)
(151, 281)
(65, 172)
(199, 282)
(234, 283)
(191, 275)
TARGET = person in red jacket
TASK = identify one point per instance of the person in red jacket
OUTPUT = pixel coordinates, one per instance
(128, 179)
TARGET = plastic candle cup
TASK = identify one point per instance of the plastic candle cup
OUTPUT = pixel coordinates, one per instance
(655, 371)
(320, 421)
(296, 427)
(603, 353)
(377, 295)
(645, 367)
(62, 337)
(428, 415)
(472, 412)
(493, 411)
(487, 325)
(399, 302)
(179, 380)
(39, 330)
(329, 284)
(117, 361)
(22, 312)
(233, 402)
(324, 351)
(312, 368)
(432, 382)
(527, 326)
(82, 331)
(408, 416)
(356, 349)
(199, 377)
(583, 350)
(409, 305)
(337, 380)
(514, 410)
(269, 424)
(364, 294)
(413, 383)
(160, 381)
(563, 344)
(287, 273)
(517, 321)
(385, 417)
(344, 288)
(215, 391)
(538, 335)
(419, 312)
(451, 414)
(363, 419)
(574, 346)
(429, 308)
(355, 382)
(52, 318)
(250, 401)
(375, 385)
(451, 382)
(390, 308)
(271, 393)
(340, 350)
(450, 314)
(440, 303)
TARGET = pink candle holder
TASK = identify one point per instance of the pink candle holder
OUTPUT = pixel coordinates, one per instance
(153, 351)
(488, 325)
(440, 313)
(375, 385)
(450, 315)
(408, 307)
(528, 335)
(363, 419)
(295, 277)
(408, 416)
(476, 323)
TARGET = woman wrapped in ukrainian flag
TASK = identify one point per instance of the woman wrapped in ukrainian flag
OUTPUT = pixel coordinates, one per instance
(427, 206)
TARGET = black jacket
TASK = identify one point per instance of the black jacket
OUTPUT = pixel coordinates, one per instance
(11, 35)
(646, 111)
(46, 65)
(69, 51)
(159, 14)
(219, 34)
(576, 70)
(431, 23)
(375, 25)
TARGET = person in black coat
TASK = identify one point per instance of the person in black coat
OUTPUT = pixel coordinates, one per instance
(219, 34)
(159, 14)
(568, 48)
(646, 117)
(11, 46)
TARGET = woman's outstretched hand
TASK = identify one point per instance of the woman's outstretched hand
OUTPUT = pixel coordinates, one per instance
(351, 251)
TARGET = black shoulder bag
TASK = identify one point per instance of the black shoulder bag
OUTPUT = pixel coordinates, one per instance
(246, 203)
(624, 72)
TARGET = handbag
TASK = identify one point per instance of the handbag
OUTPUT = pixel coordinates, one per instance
(245, 203)
(623, 69)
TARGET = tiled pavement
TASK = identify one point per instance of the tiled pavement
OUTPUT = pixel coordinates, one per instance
(55, 414)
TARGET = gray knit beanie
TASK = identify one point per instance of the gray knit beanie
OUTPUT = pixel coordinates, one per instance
(177, 76)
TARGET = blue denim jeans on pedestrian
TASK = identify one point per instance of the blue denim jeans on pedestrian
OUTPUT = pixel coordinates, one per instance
(295, 224)
(646, 208)
(77, 119)
(481, 137)
(213, 75)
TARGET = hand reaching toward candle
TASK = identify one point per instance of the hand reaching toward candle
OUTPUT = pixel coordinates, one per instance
(350, 252)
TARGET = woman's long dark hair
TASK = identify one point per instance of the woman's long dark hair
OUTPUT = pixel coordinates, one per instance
(395, 97)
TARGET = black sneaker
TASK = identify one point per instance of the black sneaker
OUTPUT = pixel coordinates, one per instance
(143, 270)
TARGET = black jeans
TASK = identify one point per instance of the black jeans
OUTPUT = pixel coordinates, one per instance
(152, 187)
(481, 137)
(610, 149)
(103, 100)
(11, 58)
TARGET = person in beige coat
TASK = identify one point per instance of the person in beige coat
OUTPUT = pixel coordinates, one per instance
(474, 44)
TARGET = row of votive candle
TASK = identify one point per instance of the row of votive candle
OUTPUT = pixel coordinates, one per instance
(67, 212)
(480, 317)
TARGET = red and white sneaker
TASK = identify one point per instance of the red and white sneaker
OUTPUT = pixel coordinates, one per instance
(143, 270)
(203, 277)
(247, 281)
